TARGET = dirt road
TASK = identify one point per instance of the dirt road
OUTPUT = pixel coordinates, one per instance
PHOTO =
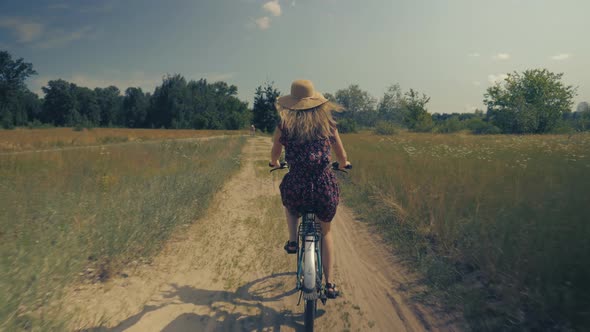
(228, 272)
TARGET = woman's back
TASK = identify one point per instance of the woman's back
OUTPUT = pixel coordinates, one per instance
(311, 156)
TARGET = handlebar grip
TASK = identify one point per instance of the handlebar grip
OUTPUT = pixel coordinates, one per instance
(283, 164)
(336, 165)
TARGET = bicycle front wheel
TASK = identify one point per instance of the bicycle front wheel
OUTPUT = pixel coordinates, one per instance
(309, 314)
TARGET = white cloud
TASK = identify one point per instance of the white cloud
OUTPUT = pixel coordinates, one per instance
(501, 56)
(263, 23)
(59, 37)
(273, 7)
(496, 78)
(26, 31)
(561, 56)
(474, 54)
(39, 35)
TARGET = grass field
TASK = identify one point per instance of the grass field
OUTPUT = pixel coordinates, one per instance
(23, 139)
(500, 225)
(72, 215)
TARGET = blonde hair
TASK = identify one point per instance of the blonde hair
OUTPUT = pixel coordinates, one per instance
(306, 125)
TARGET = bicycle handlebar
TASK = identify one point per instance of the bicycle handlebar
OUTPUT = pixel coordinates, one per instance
(282, 166)
(335, 167)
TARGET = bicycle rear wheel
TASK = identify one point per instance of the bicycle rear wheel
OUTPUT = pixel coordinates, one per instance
(309, 314)
(310, 265)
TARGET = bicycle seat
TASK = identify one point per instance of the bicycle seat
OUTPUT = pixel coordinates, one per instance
(306, 209)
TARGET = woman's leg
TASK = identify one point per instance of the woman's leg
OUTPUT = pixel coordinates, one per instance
(292, 223)
(327, 250)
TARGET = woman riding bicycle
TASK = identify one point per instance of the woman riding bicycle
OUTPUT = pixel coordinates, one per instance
(308, 131)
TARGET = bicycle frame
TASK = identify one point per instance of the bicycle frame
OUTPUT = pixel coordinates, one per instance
(309, 258)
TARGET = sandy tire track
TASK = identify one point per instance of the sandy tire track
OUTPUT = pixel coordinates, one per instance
(228, 272)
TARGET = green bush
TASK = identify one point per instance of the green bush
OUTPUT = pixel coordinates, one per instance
(347, 126)
(385, 128)
(563, 128)
(451, 125)
(423, 124)
(481, 127)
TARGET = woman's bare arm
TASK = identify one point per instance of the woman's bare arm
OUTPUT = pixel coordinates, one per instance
(277, 148)
(339, 150)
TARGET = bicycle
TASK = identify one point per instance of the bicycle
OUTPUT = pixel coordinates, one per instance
(309, 259)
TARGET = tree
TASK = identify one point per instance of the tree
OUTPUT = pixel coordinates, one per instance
(13, 74)
(583, 107)
(531, 102)
(330, 97)
(135, 107)
(391, 106)
(229, 110)
(580, 119)
(417, 117)
(30, 106)
(264, 113)
(169, 105)
(196, 104)
(109, 101)
(359, 105)
(88, 106)
(60, 106)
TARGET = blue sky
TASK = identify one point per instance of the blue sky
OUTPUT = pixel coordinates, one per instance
(451, 50)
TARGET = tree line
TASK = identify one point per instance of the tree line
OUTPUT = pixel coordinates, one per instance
(176, 103)
(535, 101)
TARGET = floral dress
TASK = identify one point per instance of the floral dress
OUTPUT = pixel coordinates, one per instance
(310, 183)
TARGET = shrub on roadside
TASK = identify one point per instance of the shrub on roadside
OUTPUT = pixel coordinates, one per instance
(385, 128)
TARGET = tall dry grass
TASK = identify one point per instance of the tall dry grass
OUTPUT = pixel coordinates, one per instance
(499, 224)
(23, 139)
(71, 214)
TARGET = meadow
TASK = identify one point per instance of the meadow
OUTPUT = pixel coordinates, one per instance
(498, 225)
(80, 215)
(23, 139)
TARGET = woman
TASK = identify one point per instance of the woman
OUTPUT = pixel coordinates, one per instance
(308, 131)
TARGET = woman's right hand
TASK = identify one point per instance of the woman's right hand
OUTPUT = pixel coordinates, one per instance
(338, 165)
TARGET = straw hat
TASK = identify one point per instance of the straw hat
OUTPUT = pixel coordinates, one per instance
(303, 96)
